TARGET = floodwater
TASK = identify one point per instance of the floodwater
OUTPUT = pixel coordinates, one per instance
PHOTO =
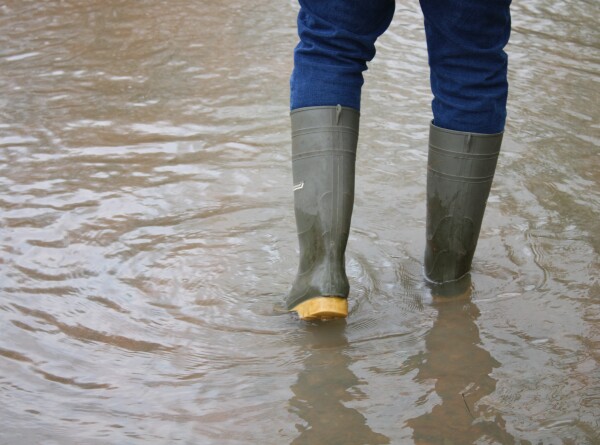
(147, 238)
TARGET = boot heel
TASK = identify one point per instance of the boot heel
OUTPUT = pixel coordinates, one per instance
(322, 308)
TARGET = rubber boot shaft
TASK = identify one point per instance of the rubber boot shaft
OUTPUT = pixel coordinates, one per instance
(460, 171)
(324, 143)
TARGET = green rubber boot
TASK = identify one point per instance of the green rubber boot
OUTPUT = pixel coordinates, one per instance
(460, 171)
(324, 143)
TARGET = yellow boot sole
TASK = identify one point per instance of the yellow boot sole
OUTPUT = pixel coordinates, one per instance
(323, 308)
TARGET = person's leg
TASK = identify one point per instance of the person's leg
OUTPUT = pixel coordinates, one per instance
(337, 38)
(465, 41)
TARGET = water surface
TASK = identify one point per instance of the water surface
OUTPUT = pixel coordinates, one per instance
(147, 239)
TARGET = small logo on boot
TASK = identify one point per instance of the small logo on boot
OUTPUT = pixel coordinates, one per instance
(299, 186)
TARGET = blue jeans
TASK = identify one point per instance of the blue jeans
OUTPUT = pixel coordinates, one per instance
(465, 41)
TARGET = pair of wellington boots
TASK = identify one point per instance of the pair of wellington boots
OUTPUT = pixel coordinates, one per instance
(459, 176)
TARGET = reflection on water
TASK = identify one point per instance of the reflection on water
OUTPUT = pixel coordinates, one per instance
(147, 238)
(461, 369)
(323, 386)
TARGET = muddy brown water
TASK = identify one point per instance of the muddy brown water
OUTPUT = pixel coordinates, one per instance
(147, 238)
